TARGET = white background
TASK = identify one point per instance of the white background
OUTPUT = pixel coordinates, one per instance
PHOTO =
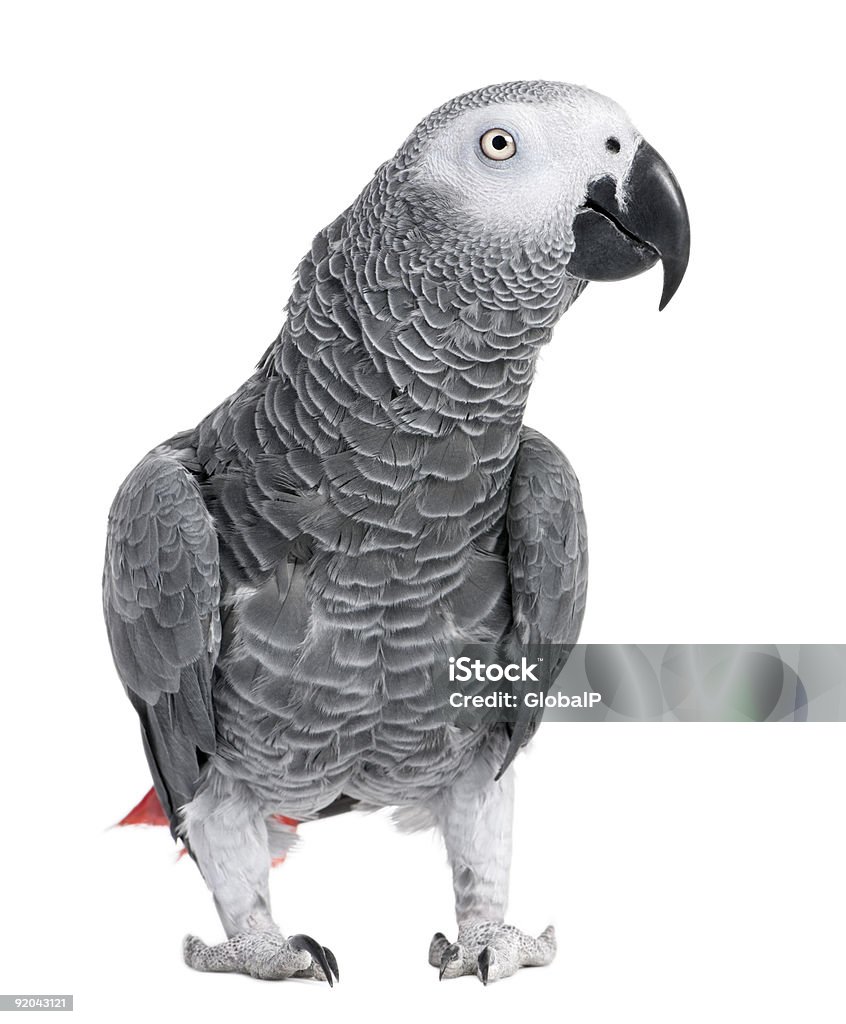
(164, 168)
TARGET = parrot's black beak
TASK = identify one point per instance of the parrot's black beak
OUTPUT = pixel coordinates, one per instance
(613, 243)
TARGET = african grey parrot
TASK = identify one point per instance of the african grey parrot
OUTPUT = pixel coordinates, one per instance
(284, 581)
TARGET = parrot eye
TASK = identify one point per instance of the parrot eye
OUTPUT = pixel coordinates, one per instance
(612, 145)
(498, 144)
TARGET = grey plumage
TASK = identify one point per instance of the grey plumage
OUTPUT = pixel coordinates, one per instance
(282, 582)
(161, 592)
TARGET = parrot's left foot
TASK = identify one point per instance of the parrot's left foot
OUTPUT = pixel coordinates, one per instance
(267, 955)
(491, 951)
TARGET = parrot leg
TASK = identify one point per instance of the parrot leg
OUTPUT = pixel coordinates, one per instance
(226, 831)
(475, 816)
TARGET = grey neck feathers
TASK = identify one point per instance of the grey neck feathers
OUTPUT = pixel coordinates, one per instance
(396, 313)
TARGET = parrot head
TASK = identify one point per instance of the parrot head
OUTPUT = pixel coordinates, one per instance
(556, 170)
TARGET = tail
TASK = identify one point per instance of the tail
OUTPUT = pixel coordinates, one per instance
(149, 811)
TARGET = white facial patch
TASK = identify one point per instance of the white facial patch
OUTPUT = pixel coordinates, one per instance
(561, 146)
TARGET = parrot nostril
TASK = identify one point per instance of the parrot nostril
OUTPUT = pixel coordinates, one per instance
(612, 145)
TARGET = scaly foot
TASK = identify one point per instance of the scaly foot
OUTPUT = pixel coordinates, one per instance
(267, 955)
(491, 951)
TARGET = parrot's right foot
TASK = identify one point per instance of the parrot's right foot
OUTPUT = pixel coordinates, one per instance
(267, 955)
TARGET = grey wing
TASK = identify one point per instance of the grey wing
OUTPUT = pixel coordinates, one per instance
(161, 590)
(547, 564)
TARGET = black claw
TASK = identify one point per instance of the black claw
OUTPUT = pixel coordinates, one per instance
(317, 951)
(484, 963)
(333, 963)
(448, 955)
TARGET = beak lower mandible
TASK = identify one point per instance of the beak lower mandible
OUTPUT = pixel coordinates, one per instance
(613, 242)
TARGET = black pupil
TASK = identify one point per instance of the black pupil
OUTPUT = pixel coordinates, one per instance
(612, 145)
(499, 142)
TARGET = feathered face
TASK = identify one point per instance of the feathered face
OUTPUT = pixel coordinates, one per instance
(552, 168)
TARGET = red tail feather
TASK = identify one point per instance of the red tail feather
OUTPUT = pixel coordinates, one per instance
(149, 811)
(283, 820)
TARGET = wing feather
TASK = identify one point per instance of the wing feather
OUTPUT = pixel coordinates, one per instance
(161, 593)
(547, 562)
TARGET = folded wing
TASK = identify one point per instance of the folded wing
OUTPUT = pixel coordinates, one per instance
(161, 591)
(547, 564)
